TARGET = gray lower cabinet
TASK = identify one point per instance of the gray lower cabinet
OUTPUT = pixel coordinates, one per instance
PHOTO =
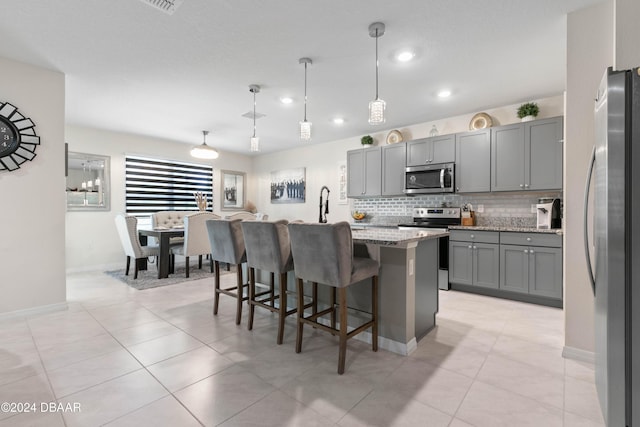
(531, 263)
(474, 259)
(393, 167)
(473, 161)
(436, 149)
(364, 172)
(527, 156)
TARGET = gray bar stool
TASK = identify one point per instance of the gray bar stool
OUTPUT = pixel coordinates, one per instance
(268, 249)
(323, 253)
(227, 245)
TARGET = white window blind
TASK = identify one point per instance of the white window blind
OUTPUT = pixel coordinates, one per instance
(154, 185)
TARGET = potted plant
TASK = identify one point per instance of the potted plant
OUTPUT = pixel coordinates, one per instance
(528, 111)
(366, 140)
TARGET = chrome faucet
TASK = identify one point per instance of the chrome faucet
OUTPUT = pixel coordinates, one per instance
(326, 205)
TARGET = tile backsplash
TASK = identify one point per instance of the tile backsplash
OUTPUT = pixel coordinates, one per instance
(500, 209)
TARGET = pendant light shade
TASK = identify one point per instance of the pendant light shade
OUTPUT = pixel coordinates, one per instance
(255, 141)
(203, 151)
(305, 125)
(377, 106)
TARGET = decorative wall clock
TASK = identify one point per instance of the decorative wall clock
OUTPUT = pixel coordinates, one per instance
(18, 139)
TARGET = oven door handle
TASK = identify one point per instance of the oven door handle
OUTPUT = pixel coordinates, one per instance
(442, 178)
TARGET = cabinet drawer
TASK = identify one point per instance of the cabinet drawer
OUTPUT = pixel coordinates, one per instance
(475, 236)
(531, 239)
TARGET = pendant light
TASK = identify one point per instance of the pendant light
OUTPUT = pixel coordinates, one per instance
(255, 141)
(204, 151)
(377, 106)
(305, 126)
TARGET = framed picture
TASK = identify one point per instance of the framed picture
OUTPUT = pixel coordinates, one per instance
(288, 186)
(232, 191)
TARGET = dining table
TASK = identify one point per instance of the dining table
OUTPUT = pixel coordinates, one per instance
(163, 235)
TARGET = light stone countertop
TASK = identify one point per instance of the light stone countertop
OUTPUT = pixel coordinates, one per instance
(393, 236)
(506, 228)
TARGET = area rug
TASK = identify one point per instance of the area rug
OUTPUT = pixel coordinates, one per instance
(148, 279)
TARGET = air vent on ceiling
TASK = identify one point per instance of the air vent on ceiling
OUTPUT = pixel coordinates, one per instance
(249, 115)
(167, 6)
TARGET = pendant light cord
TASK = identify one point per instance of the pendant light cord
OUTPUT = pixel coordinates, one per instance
(254, 113)
(305, 91)
(376, 63)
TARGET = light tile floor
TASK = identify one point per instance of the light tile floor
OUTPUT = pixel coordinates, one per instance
(159, 358)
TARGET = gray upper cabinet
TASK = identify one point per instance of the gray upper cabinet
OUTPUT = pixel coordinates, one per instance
(437, 149)
(364, 172)
(507, 158)
(544, 141)
(393, 168)
(527, 156)
(473, 161)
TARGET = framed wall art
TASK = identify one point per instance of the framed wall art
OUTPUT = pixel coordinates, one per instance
(232, 191)
(288, 186)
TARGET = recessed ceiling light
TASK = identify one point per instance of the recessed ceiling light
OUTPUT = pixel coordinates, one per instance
(405, 56)
(338, 120)
(444, 93)
(286, 100)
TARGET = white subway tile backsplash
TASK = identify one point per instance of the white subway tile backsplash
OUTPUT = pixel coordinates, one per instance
(499, 208)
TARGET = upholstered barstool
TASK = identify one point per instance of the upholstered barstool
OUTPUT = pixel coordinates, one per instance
(195, 239)
(268, 249)
(227, 245)
(127, 230)
(323, 253)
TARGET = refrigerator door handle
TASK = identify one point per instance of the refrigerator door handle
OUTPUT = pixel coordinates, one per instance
(587, 187)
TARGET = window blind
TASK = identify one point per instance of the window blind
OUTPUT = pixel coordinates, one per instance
(154, 185)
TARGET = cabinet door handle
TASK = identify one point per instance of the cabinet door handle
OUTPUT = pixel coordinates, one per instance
(531, 251)
(470, 247)
(472, 236)
(521, 185)
(475, 247)
(528, 239)
(526, 251)
(526, 186)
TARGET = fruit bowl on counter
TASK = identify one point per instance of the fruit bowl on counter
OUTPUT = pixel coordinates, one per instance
(358, 215)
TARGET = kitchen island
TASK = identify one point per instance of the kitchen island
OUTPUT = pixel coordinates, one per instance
(408, 283)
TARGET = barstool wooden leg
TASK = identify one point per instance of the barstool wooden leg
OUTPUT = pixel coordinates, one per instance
(282, 310)
(126, 272)
(216, 292)
(272, 289)
(240, 294)
(374, 309)
(332, 303)
(186, 266)
(252, 295)
(300, 314)
(342, 302)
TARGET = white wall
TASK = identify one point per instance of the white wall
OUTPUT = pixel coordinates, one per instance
(91, 238)
(627, 34)
(32, 255)
(589, 52)
(321, 161)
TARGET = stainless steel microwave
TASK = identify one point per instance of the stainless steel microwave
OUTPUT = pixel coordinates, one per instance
(424, 179)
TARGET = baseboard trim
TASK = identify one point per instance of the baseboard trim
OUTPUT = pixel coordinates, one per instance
(33, 311)
(383, 343)
(578, 354)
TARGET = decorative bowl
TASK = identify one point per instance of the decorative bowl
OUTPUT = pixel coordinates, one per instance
(358, 215)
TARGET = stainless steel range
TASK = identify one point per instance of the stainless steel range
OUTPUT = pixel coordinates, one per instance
(438, 218)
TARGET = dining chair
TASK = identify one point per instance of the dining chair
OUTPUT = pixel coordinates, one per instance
(227, 245)
(196, 240)
(269, 249)
(127, 231)
(323, 253)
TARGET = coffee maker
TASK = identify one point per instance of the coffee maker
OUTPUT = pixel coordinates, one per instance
(548, 213)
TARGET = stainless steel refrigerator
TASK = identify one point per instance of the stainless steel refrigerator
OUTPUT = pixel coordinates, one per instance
(615, 237)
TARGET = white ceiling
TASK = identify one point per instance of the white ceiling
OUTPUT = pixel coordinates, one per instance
(130, 67)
